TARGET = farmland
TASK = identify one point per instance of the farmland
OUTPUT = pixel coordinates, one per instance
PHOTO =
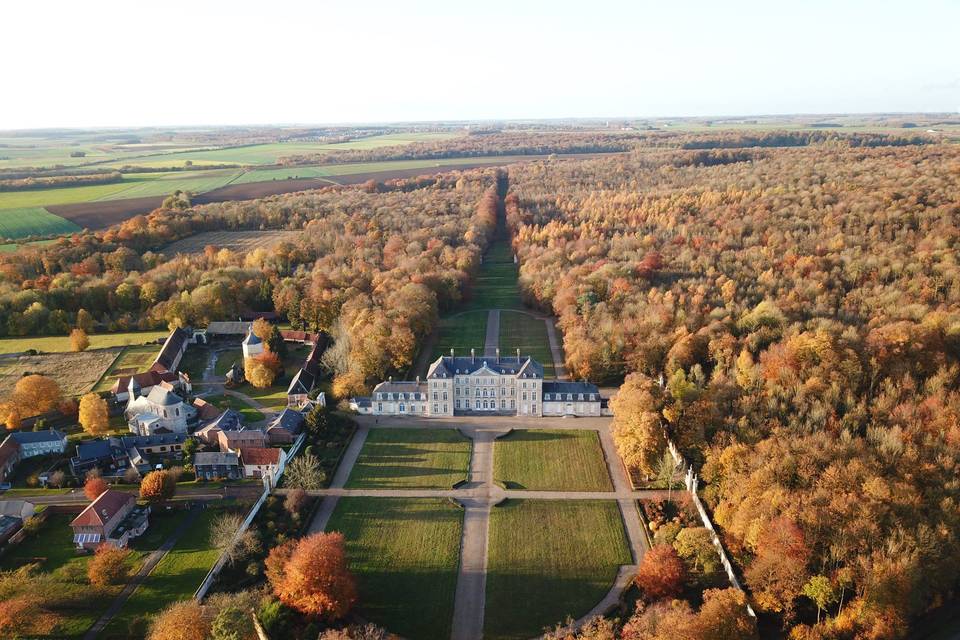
(76, 373)
(551, 460)
(54, 344)
(242, 241)
(411, 459)
(27, 221)
(133, 360)
(405, 553)
(549, 560)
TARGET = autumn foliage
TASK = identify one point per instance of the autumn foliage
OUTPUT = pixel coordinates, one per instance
(158, 485)
(262, 370)
(311, 575)
(184, 620)
(79, 340)
(108, 566)
(661, 573)
(94, 486)
(93, 414)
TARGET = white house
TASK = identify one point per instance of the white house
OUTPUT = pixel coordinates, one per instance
(160, 411)
(251, 345)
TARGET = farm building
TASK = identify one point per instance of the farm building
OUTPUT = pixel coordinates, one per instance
(113, 518)
(234, 440)
(284, 428)
(258, 462)
(168, 359)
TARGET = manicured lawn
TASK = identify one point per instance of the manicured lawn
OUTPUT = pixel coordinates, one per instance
(405, 554)
(248, 413)
(225, 360)
(52, 547)
(53, 344)
(529, 334)
(176, 577)
(551, 460)
(549, 559)
(411, 459)
(274, 397)
(461, 333)
(194, 361)
(495, 286)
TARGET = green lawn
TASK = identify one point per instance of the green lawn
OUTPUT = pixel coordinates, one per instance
(405, 554)
(551, 460)
(226, 359)
(23, 221)
(225, 401)
(54, 344)
(194, 361)
(176, 577)
(461, 333)
(411, 459)
(133, 360)
(530, 335)
(495, 286)
(549, 559)
(52, 547)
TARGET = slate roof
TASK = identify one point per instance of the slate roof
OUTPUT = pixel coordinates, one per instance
(103, 508)
(564, 387)
(32, 437)
(172, 347)
(229, 328)
(252, 338)
(204, 458)
(162, 397)
(302, 382)
(96, 449)
(9, 448)
(153, 440)
(288, 419)
(401, 386)
(449, 366)
(229, 420)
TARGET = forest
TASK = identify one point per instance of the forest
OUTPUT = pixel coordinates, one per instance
(792, 322)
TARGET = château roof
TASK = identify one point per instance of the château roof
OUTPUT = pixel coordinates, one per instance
(449, 366)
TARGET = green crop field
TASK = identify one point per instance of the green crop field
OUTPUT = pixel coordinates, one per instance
(23, 221)
(461, 333)
(55, 344)
(549, 559)
(405, 553)
(411, 459)
(529, 334)
(551, 460)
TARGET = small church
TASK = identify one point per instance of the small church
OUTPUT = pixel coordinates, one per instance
(252, 345)
(160, 411)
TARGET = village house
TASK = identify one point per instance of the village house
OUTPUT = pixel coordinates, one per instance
(13, 513)
(258, 462)
(113, 518)
(39, 443)
(229, 420)
(107, 454)
(496, 385)
(234, 440)
(214, 465)
(284, 428)
(9, 458)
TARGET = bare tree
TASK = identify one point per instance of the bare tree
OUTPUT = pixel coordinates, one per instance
(305, 472)
(223, 536)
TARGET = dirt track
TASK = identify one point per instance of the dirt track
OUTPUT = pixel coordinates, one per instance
(99, 215)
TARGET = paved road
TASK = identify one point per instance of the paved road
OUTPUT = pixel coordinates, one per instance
(152, 560)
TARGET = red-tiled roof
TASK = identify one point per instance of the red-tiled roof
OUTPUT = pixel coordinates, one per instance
(145, 379)
(103, 508)
(259, 455)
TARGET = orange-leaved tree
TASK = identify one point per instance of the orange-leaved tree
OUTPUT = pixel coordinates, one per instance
(93, 415)
(158, 485)
(108, 566)
(94, 486)
(182, 620)
(661, 573)
(311, 575)
(36, 394)
(262, 370)
(79, 340)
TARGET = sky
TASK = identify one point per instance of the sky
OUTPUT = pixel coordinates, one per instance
(103, 63)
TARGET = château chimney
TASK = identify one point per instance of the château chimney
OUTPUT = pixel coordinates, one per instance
(473, 355)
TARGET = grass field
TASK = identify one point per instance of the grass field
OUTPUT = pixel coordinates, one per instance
(226, 359)
(76, 373)
(21, 222)
(405, 554)
(176, 577)
(548, 560)
(495, 286)
(132, 360)
(56, 344)
(411, 459)
(461, 333)
(242, 241)
(248, 413)
(529, 334)
(551, 460)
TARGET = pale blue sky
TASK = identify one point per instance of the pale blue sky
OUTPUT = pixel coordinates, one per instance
(103, 63)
